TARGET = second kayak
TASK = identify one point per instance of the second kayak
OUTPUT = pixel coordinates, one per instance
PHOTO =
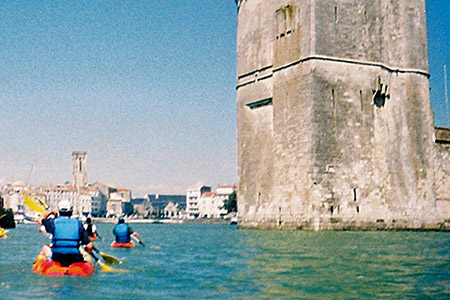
(123, 245)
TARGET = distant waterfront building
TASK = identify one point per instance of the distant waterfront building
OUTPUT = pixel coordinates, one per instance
(208, 206)
(97, 199)
(174, 210)
(225, 191)
(98, 202)
(52, 194)
(141, 205)
(79, 169)
(114, 207)
(167, 205)
(192, 196)
(13, 196)
(211, 204)
(119, 198)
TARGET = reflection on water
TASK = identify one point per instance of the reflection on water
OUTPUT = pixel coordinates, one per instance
(344, 265)
(221, 262)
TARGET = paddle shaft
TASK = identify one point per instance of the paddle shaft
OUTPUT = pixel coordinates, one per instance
(138, 240)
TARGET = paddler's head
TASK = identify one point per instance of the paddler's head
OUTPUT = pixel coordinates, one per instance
(121, 220)
(65, 208)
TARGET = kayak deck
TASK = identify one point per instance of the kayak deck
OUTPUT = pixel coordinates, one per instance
(122, 245)
(45, 266)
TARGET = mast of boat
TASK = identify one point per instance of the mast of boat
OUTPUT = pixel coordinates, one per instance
(446, 95)
(29, 174)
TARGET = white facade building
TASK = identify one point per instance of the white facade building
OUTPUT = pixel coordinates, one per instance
(98, 204)
(13, 196)
(114, 205)
(207, 204)
(192, 203)
(52, 194)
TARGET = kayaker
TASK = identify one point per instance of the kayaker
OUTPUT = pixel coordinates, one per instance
(91, 229)
(123, 232)
(67, 235)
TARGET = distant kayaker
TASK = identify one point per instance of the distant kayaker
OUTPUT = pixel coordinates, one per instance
(123, 234)
(67, 235)
(91, 229)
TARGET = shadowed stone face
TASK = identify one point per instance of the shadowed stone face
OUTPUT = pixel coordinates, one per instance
(335, 128)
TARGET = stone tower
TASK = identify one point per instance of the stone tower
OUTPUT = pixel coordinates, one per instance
(79, 159)
(335, 127)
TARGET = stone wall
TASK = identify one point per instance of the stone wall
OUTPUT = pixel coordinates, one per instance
(443, 172)
(335, 128)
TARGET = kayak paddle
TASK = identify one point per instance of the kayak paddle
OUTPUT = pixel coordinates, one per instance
(108, 258)
(33, 205)
(138, 240)
(105, 267)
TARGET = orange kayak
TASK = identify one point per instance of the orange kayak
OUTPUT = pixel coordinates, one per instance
(123, 245)
(45, 266)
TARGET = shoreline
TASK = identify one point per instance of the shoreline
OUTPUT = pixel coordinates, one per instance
(163, 221)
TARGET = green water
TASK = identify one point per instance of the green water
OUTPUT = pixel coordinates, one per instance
(222, 262)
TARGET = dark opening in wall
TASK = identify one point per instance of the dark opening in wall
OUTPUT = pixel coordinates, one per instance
(361, 100)
(279, 216)
(331, 209)
(380, 95)
(285, 21)
(333, 97)
(260, 103)
(357, 209)
(354, 195)
(336, 19)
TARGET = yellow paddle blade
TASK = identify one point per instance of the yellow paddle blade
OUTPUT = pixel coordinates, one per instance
(106, 268)
(34, 206)
(110, 259)
(3, 233)
(42, 202)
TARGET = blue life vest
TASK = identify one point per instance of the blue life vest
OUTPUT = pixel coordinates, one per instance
(122, 233)
(67, 235)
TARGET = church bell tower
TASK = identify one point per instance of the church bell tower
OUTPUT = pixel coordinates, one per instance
(79, 159)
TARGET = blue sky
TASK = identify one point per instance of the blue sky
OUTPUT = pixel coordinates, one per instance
(147, 88)
(438, 21)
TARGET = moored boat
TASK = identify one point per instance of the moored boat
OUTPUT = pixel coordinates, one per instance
(45, 266)
(115, 244)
